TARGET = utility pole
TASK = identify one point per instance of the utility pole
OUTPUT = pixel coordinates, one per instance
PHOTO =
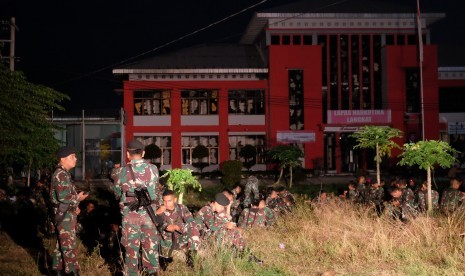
(11, 40)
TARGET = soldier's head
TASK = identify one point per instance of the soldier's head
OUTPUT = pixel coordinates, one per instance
(351, 185)
(323, 195)
(169, 199)
(361, 179)
(396, 192)
(238, 189)
(402, 183)
(228, 194)
(67, 157)
(255, 203)
(424, 186)
(375, 184)
(455, 182)
(90, 207)
(220, 202)
(135, 150)
(274, 193)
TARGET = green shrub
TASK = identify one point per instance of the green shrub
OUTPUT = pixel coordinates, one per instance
(231, 170)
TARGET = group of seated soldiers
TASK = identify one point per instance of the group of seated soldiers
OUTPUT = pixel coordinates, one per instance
(220, 220)
(403, 199)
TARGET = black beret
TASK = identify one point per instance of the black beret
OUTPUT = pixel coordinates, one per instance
(221, 199)
(135, 145)
(65, 151)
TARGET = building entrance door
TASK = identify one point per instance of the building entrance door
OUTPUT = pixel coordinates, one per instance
(353, 158)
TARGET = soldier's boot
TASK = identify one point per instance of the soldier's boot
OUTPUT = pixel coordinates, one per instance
(254, 259)
(190, 258)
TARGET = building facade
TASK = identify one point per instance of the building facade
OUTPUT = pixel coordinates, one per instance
(306, 78)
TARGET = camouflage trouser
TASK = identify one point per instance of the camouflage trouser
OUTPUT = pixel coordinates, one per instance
(231, 237)
(65, 249)
(249, 189)
(189, 239)
(139, 230)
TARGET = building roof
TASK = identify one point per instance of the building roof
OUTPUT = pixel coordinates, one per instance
(333, 9)
(207, 57)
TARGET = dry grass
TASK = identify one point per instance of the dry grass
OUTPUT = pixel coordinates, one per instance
(333, 239)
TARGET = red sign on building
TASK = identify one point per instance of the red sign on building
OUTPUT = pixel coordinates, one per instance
(369, 116)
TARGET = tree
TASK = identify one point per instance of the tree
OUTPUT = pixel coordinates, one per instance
(179, 180)
(152, 153)
(198, 154)
(286, 156)
(427, 154)
(231, 171)
(380, 139)
(248, 152)
(27, 135)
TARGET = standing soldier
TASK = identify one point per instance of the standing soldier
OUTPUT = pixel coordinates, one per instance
(136, 189)
(422, 198)
(451, 197)
(251, 187)
(65, 202)
(178, 227)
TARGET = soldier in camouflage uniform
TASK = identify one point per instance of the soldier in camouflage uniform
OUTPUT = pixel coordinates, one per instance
(361, 189)
(276, 203)
(175, 219)
(251, 187)
(138, 230)
(375, 197)
(409, 207)
(286, 196)
(63, 194)
(236, 208)
(351, 195)
(393, 207)
(422, 198)
(451, 198)
(212, 221)
(257, 215)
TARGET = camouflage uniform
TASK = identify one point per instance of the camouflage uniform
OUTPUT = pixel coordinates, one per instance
(361, 191)
(63, 191)
(408, 203)
(188, 237)
(393, 210)
(287, 195)
(137, 227)
(450, 200)
(256, 217)
(352, 196)
(422, 200)
(213, 224)
(251, 186)
(277, 205)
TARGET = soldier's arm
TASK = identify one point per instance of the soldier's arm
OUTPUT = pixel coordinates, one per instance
(154, 178)
(186, 214)
(117, 176)
(64, 190)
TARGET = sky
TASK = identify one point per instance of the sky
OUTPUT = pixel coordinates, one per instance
(73, 45)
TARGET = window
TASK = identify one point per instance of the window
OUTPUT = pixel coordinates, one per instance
(239, 141)
(250, 102)
(152, 102)
(296, 99)
(190, 142)
(412, 90)
(296, 39)
(275, 40)
(307, 40)
(199, 102)
(286, 40)
(162, 142)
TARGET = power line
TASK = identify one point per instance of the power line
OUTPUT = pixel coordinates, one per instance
(165, 44)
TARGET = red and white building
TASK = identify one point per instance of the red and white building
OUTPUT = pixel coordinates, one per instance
(309, 78)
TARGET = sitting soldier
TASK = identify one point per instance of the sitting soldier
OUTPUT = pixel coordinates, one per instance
(257, 215)
(422, 198)
(276, 203)
(212, 222)
(177, 227)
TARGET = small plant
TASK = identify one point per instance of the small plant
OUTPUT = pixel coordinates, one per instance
(248, 152)
(286, 156)
(179, 180)
(199, 153)
(231, 171)
(152, 153)
(426, 154)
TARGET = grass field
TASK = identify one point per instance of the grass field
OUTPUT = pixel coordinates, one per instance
(331, 239)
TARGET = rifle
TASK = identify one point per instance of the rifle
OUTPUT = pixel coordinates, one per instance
(142, 199)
